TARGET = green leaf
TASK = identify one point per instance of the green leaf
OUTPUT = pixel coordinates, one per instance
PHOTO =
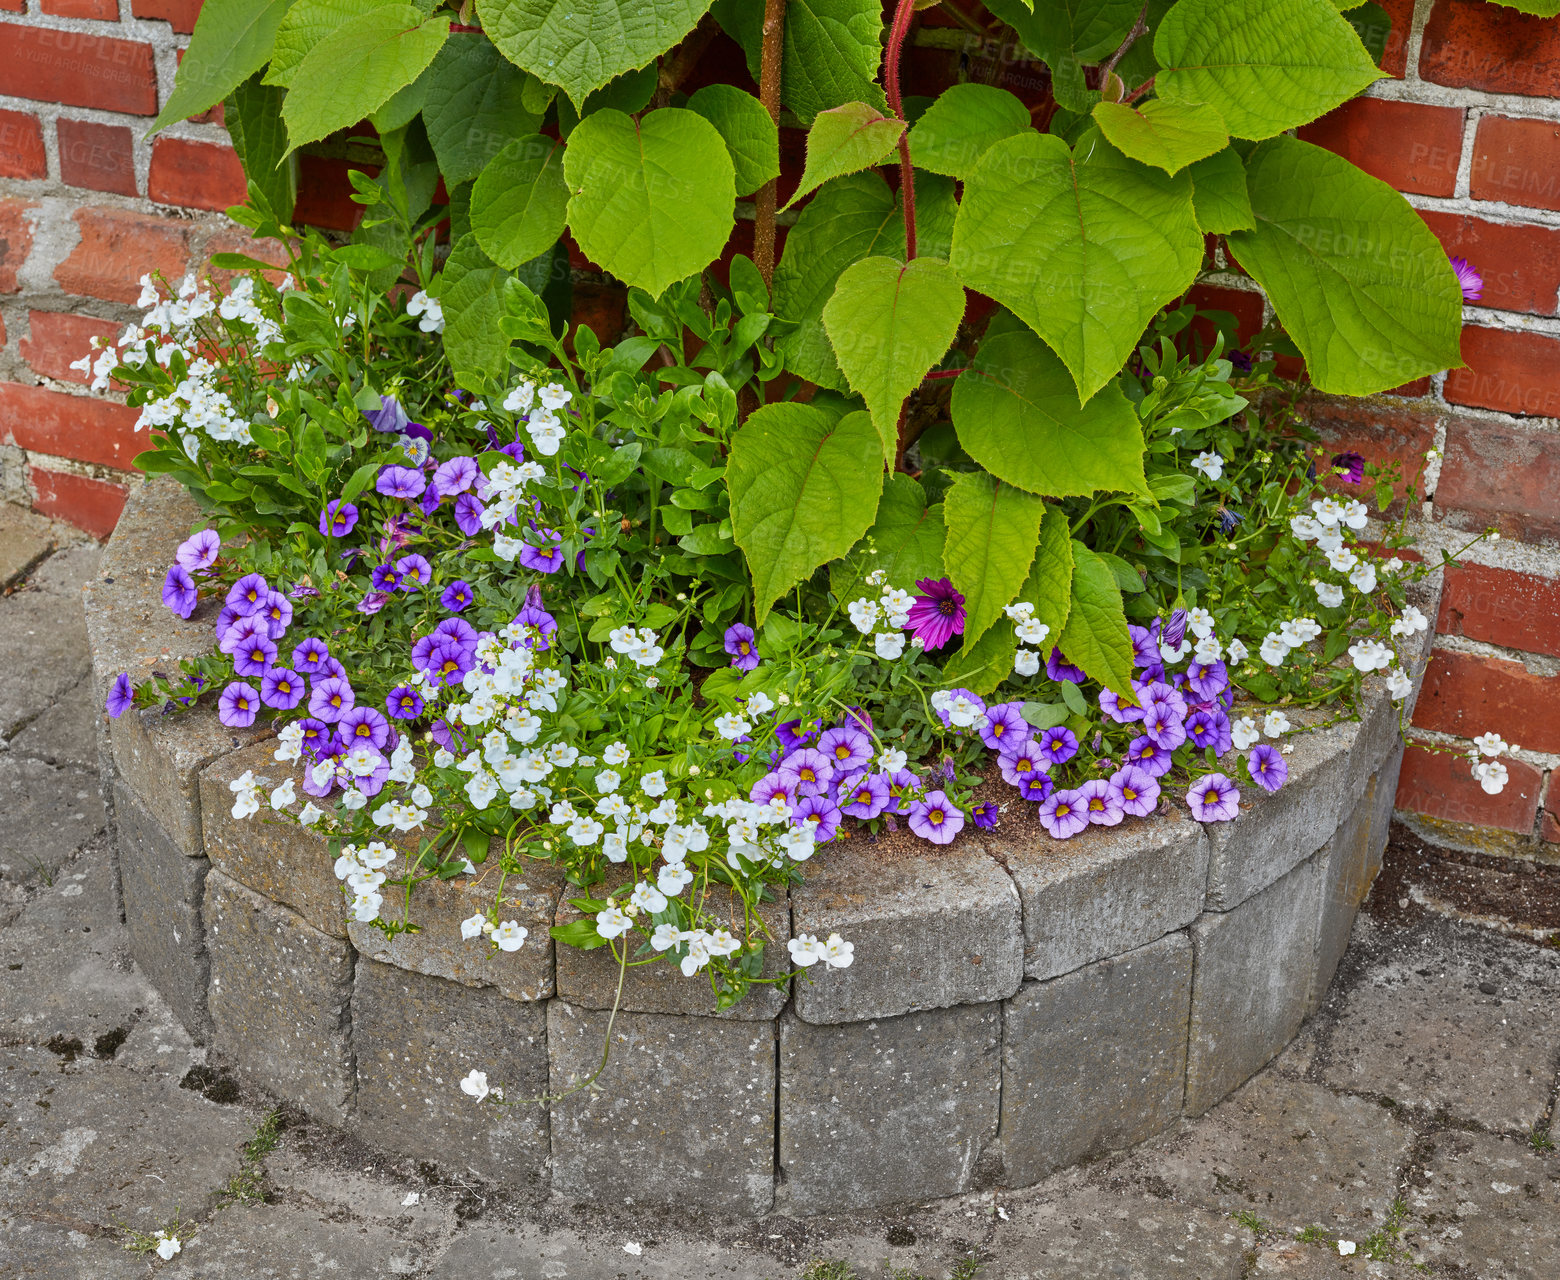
(1067, 34)
(833, 49)
(474, 106)
(1017, 414)
(1263, 67)
(580, 934)
(253, 116)
(889, 323)
(849, 219)
(982, 666)
(846, 140)
(232, 40)
(1358, 281)
(581, 44)
(1538, 8)
(1095, 637)
(804, 487)
(905, 542)
(1044, 715)
(992, 532)
(1373, 25)
(519, 203)
(306, 24)
(471, 295)
(653, 200)
(357, 67)
(750, 134)
(1084, 246)
(1073, 697)
(1049, 585)
(961, 125)
(1168, 135)
(1219, 196)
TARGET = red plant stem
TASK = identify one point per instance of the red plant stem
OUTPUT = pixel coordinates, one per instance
(891, 60)
(945, 373)
(770, 60)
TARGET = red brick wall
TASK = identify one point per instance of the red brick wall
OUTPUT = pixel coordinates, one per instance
(1469, 129)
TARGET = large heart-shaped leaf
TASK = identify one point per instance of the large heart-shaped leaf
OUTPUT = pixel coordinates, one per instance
(1049, 585)
(1017, 414)
(889, 322)
(961, 125)
(581, 44)
(519, 202)
(845, 140)
(1263, 67)
(992, 532)
(1067, 34)
(1084, 246)
(306, 24)
(751, 136)
(833, 49)
(232, 40)
(1095, 637)
(804, 487)
(1168, 135)
(1356, 277)
(653, 200)
(253, 116)
(474, 106)
(1219, 195)
(905, 542)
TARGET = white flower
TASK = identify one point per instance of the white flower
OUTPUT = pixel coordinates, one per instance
(1029, 631)
(1329, 512)
(962, 712)
(1209, 463)
(648, 898)
(1236, 651)
(1208, 649)
(889, 645)
(1173, 653)
(476, 1085)
(1244, 733)
(1026, 662)
(1200, 622)
(290, 746)
(837, 953)
(760, 704)
(673, 878)
(1304, 527)
(1491, 744)
(731, 726)
(1492, 776)
(1409, 622)
(584, 830)
(481, 789)
(653, 784)
(1345, 1247)
(284, 795)
(1274, 649)
(633, 1248)
(1328, 594)
(863, 615)
(554, 395)
(353, 799)
(1393, 565)
(365, 905)
(521, 398)
(471, 927)
(891, 759)
(805, 950)
(1363, 576)
(420, 304)
(510, 936)
(1019, 610)
(1399, 684)
(310, 814)
(612, 922)
(665, 937)
(167, 1245)
(1299, 631)
(1275, 724)
(1342, 559)
(1370, 655)
(1353, 513)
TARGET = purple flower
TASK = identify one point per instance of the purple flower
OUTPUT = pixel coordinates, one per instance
(277, 612)
(1349, 466)
(1160, 692)
(404, 703)
(1210, 729)
(934, 619)
(848, 749)
(448, 663)
(819, 813)
(533, 615)
(121, 696)
(400, 482)
(865, 795)
(416, 573)
(1064, 814)
(546, 558)
(199, 551)
(330, 667)
(1207, 679)
(1213, 799)
(281, 689)
(1240, 360)
(389, 417)
(1145, 644)
(1267, 767)
(1162, 725)
(808, 770)
(1150, 757)
(1120, 712)
(1005, 723)
(468, 514)
(317, 737)
(1058, 745)
(238, 706)
(1175, 630)
(338, 519)
(331, 699)
(364, 724)
(902, 785)
(456, 596)
(1102, 802)
(386, 578)
(742, 645)
(455, 476)
(1058, 668)
(301, 592)
(457, 631)
(429, 502)
(1018, 760)
(179, 592)
(793, 733)
(1468, 279)
(984, 814)
(310, 655)
(247, 595)
(373, 602)
(254, 657)
(1137, 789)
(1037, 786)
(935, 817)
(772, 786)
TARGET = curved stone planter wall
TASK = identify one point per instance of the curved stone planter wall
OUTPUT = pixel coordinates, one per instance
(1013, 1009)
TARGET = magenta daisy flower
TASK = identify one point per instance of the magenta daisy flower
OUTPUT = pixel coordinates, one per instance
(121, 696)
(1349, 467)
(1064, 814)
(1102, 802)
(936, 818)
(1214, 799)
(1137, 789)
(1468, 279)
(936, 616)
(1267, 767)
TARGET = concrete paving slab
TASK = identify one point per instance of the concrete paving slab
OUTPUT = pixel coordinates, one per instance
(67, 733)
(34, 1250)
(46, 814)
(25, 538)
(45, 638)
(279, 1242)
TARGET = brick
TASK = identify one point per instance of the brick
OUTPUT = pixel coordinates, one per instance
(1467, 694)
(79, 70)
(1394, 58)
(1469, 44)
(1520, 262)
(1501, 606)
(1517, 161)
(82, 428)
(21, 146)
(1440, 785)
(56, 338)
(325, 194)
(1244, 305)
(1415, 148)
(99, 10)
(1511, 371)
(16, 238)
(213, 114)
(117, 248)
(240, 241)
(93, 505)
(99, 157)
(197, 175)
(1383, 434)
(13, 6)
(1501, 474)
(178, 14)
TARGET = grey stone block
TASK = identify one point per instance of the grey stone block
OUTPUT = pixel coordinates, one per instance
(280, 997)
(415, 1038)
(1251, 977)
(437, 948)
(1276, 832)
(890, 1110)
(1107, 890)
(684, 1112)
(1384, 800)
(1096, 1060)
(1344, 867)
(284, 1242)
(269, 852)
(162, 891)
(929, 932)
(590, 978)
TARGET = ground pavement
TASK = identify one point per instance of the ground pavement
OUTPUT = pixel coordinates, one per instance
(1412, 1117)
